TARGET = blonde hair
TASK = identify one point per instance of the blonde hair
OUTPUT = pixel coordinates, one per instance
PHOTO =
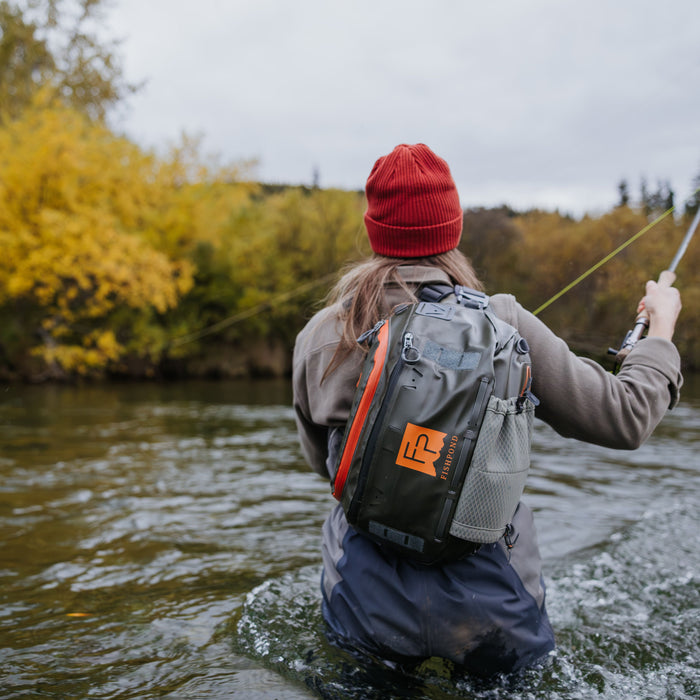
(360, 293)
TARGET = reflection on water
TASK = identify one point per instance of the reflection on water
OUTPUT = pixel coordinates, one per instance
(163, 541)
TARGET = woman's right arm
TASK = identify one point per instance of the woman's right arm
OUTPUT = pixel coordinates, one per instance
(582, 400)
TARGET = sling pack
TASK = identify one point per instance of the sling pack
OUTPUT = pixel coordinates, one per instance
(437, 446)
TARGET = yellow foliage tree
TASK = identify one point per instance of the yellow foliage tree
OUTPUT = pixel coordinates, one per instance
(76, 269)
(299, 236)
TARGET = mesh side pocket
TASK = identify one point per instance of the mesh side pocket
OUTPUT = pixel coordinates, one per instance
(496, 477)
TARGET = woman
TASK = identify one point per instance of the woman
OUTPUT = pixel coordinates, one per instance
(485, 613)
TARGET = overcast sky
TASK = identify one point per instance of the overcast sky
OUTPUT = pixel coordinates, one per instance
(544, 103)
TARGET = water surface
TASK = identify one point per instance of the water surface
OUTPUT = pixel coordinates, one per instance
(163, 541)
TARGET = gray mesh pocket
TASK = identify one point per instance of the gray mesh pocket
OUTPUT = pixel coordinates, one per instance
(496, 477)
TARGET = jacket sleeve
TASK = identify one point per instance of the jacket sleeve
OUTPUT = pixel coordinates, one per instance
(582, 400)
(320, 404)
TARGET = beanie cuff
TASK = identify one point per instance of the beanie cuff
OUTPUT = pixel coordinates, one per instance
(413, 241)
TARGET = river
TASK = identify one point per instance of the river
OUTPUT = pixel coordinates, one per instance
(162, 540)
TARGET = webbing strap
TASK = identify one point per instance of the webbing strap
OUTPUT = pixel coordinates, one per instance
(471, 298)
(403, 539)
(435, 293)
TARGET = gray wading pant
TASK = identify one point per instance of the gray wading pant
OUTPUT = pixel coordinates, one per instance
(485, 612)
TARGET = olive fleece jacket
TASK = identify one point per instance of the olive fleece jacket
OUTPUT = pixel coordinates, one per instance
(578, 397)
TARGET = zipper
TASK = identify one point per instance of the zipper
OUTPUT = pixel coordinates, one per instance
(410, 353)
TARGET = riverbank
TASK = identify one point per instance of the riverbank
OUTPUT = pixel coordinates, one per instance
(268, 359)
(261, 359)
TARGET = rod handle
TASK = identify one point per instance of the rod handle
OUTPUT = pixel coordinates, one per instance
(667, 278)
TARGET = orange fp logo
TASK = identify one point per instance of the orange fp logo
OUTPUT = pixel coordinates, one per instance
(420, 447)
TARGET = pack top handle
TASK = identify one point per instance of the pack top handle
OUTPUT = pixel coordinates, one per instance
(471, 298)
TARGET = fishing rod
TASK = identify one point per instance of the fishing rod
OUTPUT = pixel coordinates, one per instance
(666, 279)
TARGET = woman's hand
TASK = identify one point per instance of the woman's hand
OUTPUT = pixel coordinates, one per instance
(662, 304)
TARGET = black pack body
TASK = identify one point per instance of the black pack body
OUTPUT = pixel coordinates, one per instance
(436, 449)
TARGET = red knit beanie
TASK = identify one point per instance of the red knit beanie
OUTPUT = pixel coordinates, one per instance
(413, 207)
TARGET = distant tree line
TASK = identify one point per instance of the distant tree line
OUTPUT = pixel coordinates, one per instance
(660, 199)
(536, 254)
